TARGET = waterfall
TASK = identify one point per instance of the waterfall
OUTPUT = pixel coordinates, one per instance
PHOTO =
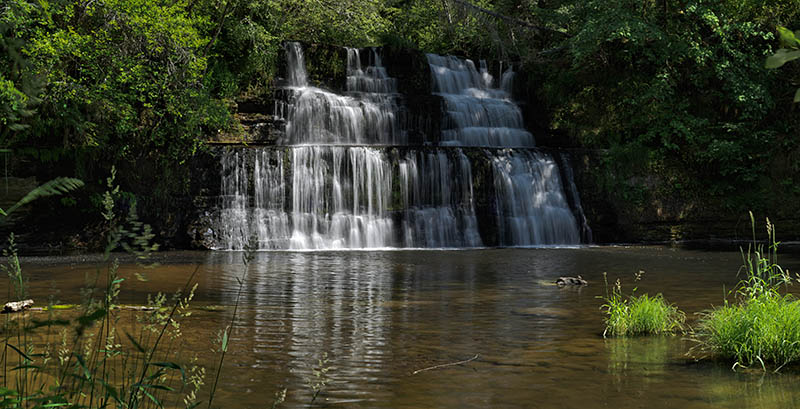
(586, 231)
(529, 196)
(368, 114)
(476, 113)
(257, 213)
(340, 198)
(233, 223)
(507, 80)
(345, 177)
(532, 208)
(296, 65)
(438, 200)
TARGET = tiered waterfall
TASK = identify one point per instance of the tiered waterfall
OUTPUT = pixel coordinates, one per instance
(344, 175)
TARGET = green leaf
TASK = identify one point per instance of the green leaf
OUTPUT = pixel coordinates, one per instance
(54, 187)
(152, 398)
(82, 363)
(26, 367)
(225, 341)
(781, 57)
(797, 95)
(20, 352)
(111, 391)
(142, 386)
(172, 365)
(135, 344)
(155, 375)
(788, 38)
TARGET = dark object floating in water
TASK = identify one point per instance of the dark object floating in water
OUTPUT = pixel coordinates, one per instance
(577, 281)
(17, 306)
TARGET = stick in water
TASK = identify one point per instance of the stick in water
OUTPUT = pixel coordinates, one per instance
(446, 365)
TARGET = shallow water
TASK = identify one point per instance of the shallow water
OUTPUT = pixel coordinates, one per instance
(381, 316)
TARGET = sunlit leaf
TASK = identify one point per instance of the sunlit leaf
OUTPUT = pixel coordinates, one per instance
(781, 57)
(788, 38)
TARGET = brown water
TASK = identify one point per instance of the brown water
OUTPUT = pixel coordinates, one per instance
(380, 316)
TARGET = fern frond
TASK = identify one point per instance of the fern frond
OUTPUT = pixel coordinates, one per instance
(54, 187)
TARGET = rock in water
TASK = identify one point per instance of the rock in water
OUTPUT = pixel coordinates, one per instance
(577, 281)
(17, 306)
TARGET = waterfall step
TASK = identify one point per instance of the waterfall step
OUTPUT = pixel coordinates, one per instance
(371, 166)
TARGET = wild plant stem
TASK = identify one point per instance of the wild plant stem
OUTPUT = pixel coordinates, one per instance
(229, 330)
(149, 356)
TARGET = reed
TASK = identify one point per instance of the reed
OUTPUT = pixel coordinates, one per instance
(638, 315)
(761, 326)
(85, 357)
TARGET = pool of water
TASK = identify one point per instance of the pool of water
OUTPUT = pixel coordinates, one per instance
(379, 317)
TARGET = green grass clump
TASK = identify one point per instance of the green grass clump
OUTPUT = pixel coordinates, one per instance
(642, 315)
(763, 326)
(761, 330)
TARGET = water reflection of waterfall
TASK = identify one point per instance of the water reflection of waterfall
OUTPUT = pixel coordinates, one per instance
(295, 308)
(346, 178)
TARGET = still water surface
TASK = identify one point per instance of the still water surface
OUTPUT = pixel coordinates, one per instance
(381, 316)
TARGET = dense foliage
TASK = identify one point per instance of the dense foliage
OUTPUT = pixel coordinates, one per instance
(680, 91)
(676, 91)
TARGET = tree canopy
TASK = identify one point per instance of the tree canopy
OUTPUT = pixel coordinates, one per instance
(677, 88)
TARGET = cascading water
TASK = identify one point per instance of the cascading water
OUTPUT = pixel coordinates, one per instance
(335, 184)
(340, 198)
(477, 114)
(253, 214)
(580, 216)
(531, 207)
(366, 115)
(438, 201)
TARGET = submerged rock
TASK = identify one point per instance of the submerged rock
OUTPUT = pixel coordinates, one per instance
(574, 281)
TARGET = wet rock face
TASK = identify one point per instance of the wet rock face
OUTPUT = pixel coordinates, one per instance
(200, 231)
